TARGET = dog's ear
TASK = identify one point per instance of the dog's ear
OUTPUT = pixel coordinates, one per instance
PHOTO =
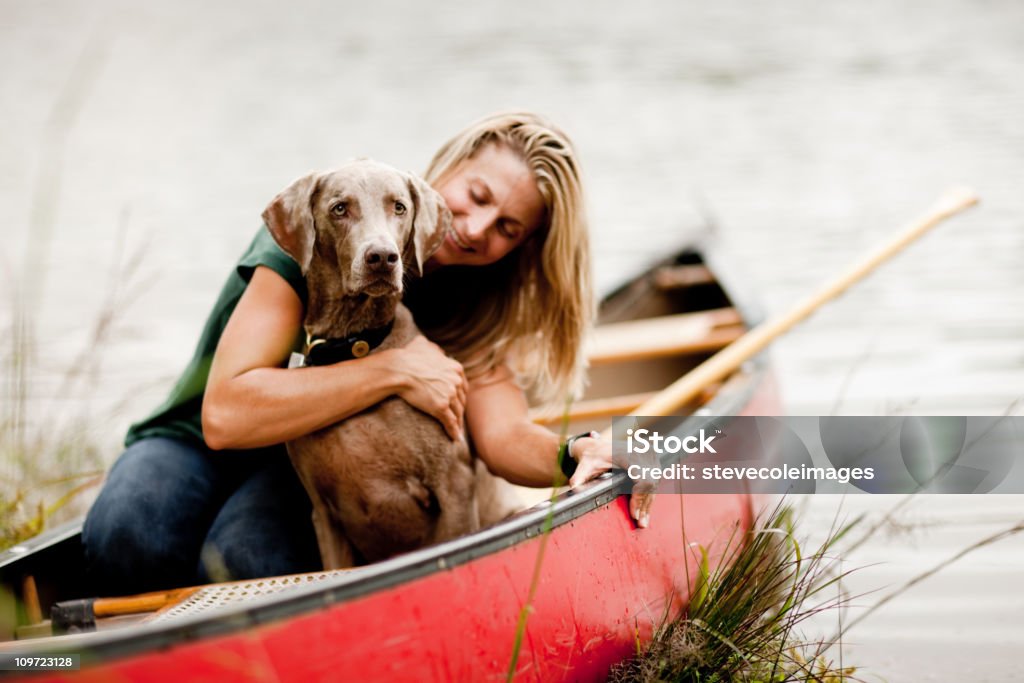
(289, 217)
(430, 224)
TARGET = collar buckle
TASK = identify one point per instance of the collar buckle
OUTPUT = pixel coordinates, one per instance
(320, 351)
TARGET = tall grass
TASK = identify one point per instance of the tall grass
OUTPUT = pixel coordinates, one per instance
(52, 441)
(527, 608)
(744, 616)
(47, 455)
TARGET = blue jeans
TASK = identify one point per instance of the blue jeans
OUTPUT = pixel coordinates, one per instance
(172, 514)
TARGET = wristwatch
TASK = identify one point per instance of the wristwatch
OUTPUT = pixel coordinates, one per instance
(565, 456)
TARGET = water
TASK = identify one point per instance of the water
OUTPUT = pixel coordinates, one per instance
(807, 131)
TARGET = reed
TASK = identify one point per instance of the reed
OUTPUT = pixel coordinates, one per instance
(744, 616)
(53, 444)
(527, 608)
(48, 461)
(40, 442)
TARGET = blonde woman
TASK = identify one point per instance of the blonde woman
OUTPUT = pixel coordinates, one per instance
(204, 483)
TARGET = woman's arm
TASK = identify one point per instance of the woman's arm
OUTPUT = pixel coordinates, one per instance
(525, 453)
(512, 446)
(250, 401)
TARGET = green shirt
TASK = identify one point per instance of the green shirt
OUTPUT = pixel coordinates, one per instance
(180, 415)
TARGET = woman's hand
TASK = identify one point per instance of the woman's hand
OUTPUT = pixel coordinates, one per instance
(594, 457)
(433, 383)
(516, 449)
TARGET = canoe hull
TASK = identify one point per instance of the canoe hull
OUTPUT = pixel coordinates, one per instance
(460, 624)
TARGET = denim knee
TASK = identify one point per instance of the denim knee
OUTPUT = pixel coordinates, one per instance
(146, 527)
(263, 529)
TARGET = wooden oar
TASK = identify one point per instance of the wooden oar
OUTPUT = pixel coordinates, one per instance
(726, 361)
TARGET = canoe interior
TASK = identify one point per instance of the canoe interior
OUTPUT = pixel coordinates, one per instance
(680, 285)
(650, 297)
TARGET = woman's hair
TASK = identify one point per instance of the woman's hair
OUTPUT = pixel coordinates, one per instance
(532, 308)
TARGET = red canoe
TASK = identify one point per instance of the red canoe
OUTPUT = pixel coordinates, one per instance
(451, 612)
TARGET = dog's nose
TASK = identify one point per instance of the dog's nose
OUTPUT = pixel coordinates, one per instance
(381, 259)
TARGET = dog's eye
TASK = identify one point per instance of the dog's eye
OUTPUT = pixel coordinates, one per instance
(399, 208)
(339, 209)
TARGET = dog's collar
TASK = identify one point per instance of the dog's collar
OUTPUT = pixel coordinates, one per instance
(329, 351)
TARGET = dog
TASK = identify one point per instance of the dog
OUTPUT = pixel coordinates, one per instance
(389, 479)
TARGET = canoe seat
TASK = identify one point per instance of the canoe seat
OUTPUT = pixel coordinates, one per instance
(606, 407)
(678, 277)
(670, 335)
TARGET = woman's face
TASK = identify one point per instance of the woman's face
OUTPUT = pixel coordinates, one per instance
(495, 206)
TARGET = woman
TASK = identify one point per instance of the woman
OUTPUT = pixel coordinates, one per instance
(204, 490)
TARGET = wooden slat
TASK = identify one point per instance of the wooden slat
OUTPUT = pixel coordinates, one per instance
(681, 334)
(608, 407)
(665, 336)
(30, 596)
(678, 277)
(598, 407)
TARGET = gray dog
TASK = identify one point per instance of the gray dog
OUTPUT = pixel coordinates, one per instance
(389, 479)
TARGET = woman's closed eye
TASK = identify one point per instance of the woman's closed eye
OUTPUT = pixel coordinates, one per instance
(506, 230)
(480, 195)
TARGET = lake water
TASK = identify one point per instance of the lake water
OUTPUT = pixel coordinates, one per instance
(806, 132)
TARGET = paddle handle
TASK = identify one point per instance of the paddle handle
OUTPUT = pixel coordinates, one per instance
(138, 604)
(726, 361)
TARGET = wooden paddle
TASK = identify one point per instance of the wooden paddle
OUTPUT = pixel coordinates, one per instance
(726, 361)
